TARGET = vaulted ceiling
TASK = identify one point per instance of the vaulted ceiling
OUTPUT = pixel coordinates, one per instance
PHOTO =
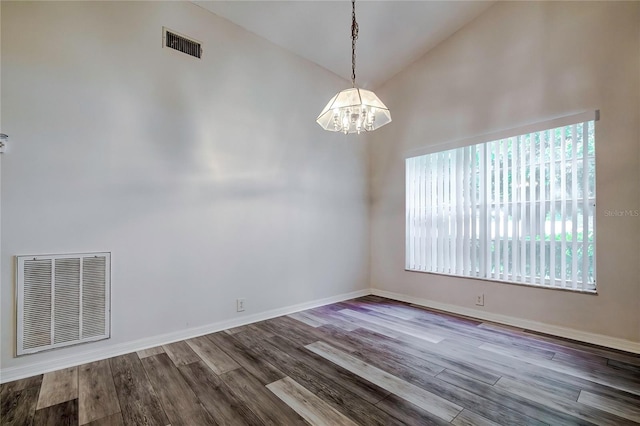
(393, 34)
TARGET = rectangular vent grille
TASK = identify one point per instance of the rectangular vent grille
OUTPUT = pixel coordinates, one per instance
(182, 44)
(62, 300)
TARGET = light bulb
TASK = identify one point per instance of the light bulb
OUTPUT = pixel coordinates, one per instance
(345, 121)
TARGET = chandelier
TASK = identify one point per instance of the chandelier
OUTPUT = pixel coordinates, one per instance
(354, 110)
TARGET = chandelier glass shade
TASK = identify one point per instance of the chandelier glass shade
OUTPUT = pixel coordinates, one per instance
(354, 110)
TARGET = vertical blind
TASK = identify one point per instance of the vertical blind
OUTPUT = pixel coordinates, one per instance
(517, 209)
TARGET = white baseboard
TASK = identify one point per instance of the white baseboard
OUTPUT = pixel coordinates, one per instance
(569, 333)
(20, 372)
(83, 357)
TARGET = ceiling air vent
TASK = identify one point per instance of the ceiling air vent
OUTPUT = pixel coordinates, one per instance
(183, 44)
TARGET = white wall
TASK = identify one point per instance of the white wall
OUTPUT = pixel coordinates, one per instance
(519, 63)
(207, 180)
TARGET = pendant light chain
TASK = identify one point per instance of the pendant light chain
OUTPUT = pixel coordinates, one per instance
(354, 110)
(354, 37)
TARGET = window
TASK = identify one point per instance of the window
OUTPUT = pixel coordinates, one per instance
(518, 209)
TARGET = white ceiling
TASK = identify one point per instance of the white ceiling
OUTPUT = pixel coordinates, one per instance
(393, 33)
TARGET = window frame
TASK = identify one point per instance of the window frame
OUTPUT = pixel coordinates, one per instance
(542, 126)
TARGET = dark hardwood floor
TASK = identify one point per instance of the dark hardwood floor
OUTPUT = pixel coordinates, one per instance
(368, 361)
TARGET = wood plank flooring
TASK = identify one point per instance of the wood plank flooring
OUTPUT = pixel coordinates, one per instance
(367, 361)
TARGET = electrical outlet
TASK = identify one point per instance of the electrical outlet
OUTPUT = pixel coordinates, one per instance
(480, 300)
(239, 305)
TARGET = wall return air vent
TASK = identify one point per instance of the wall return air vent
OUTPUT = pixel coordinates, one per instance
(173, 40)
(62, 300)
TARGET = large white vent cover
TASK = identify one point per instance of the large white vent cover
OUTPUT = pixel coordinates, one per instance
(62, 300)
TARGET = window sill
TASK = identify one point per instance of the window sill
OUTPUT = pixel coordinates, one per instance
(571, 290)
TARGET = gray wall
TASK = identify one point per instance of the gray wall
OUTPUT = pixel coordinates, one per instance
(520, 63)
(207, 180)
